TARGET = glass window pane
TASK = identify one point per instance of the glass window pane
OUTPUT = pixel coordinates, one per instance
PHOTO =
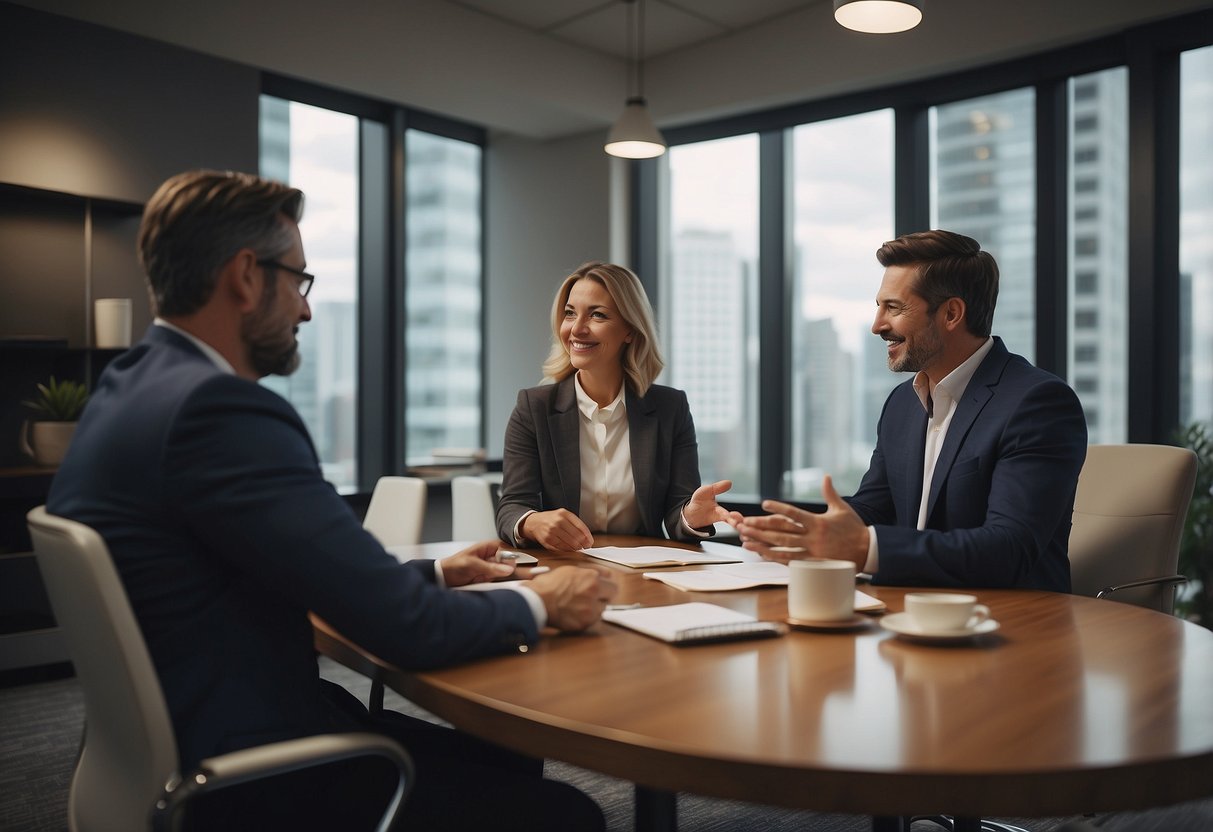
(709, 301)
(983, 184)
(316, 151)
(443, 297)
(1196, 236)
(1098, 250)
(843, 190)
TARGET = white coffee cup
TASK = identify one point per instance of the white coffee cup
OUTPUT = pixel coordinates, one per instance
(112, 323)
(942, 612)
(821, 590)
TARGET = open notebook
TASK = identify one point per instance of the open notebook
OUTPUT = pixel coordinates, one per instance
(646, 557)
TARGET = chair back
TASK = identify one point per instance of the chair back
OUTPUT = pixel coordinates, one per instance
(129, 751)
(396, 511)
(473, 516)
(1129, 515)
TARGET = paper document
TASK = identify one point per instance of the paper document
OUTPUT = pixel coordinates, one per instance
(745, 576)
(642, 557)
(693, 623)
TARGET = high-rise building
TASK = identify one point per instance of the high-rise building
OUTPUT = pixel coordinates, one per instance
(711, 352)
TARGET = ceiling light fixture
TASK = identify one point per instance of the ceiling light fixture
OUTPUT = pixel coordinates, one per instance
(879, 17)
(634, 135)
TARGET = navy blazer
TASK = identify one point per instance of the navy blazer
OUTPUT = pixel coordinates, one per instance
(1002, 495)
(207, 490)
(542, 460)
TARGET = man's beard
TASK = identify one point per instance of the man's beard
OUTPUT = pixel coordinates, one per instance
(273, 349)
(919, 353)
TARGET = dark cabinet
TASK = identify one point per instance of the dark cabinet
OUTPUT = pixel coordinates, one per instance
(61, 252)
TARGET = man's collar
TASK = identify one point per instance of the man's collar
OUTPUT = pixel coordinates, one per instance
(954, 383)
(210, 352)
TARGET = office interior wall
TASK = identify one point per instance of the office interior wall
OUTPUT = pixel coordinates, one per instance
(101, 115)
(548, 206)
(94, 111)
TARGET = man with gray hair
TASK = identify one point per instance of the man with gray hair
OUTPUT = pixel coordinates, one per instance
(208, 493)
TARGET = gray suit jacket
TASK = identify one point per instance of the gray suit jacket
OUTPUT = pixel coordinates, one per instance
(542, 464)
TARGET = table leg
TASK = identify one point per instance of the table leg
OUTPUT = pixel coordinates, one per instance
(890, 824)
(656, 810)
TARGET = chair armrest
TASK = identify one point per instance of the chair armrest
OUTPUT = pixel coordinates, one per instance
(277, 758)
(1165, 579)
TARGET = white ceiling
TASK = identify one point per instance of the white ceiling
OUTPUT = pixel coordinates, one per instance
(550, 68)
(603, 25)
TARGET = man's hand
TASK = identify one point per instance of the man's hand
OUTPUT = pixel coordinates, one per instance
(558, 529)
(702, 510)
(475, 565)
(574, 596)
(790, 533)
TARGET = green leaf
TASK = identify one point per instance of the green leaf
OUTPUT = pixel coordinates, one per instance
(59, 401)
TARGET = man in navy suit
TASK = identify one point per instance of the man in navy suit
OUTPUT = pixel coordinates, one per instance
(208, 493)
(977, 457)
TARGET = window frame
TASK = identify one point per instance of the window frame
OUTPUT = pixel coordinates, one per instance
(382, 272)
(1151, 54)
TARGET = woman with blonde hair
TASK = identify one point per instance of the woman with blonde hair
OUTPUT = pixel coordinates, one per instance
(602, 448)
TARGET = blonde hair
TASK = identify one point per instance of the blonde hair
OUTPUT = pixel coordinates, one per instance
(641, 358)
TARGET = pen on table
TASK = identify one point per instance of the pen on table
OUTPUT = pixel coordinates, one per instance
(624, 606)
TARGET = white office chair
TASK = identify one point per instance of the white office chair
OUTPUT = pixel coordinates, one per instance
(127, 775)
(1128, 521)
(473, 516)
(396, 511)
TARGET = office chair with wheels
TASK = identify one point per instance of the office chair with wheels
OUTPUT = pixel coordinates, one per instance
(473, 516)
(1128, 520)
(396, 511)
(127, 777)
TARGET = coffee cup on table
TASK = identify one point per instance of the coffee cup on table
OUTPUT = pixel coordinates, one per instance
(945, 612)
(821, 590)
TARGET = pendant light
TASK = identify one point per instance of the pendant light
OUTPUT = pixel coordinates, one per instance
(878, 16)
(634, 135)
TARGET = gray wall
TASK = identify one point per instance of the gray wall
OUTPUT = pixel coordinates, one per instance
(102, 114)
(92, 111)
(548, 212)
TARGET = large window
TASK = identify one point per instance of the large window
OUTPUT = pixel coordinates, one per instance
(983, 180)
(393, 229)
(1062, 165)
(1098, 247)
(709, 301)
(316, 151)
(1196, 236)
(442, 300)
(842, 185)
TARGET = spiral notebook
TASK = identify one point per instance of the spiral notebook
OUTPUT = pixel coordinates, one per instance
(694, 623)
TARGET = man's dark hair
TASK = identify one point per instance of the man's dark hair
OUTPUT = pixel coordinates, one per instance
(197, 221)
(950, 265)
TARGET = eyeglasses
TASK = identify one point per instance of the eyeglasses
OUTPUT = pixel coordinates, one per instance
(305, 279)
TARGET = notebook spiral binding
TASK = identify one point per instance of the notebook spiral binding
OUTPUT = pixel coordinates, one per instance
(729, 632)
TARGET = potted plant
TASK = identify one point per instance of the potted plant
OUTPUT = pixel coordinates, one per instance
(57, 407)
(1196, 545)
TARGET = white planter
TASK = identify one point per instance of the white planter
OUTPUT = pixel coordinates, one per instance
(46, 442)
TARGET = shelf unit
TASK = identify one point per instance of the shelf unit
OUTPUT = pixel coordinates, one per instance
(62, 250)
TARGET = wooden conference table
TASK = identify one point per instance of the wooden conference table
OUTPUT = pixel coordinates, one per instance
(1074, 705)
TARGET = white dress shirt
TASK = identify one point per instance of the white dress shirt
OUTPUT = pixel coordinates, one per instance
(940, 405)
(608, 491)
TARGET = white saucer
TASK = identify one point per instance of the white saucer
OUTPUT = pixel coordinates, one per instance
(901, 624)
